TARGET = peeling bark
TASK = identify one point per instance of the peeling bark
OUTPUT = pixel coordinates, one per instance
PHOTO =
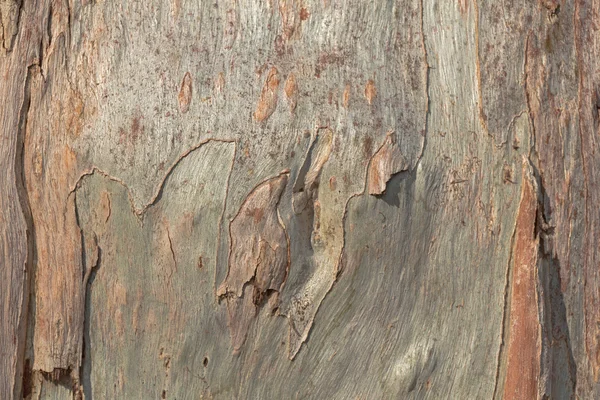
(268, 97)
(524, 330)
(387, 162)
(185, 93)
(258, 258)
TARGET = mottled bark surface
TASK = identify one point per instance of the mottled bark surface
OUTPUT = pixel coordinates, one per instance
(299, 199)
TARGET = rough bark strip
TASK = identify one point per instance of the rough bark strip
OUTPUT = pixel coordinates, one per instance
(482, 116)
(28, 267)
(427, 71)
(16, 246)
(500, 34)
(588, 50)
(524, 332)
(554, 58)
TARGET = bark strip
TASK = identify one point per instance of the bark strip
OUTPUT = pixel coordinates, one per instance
(524, 333)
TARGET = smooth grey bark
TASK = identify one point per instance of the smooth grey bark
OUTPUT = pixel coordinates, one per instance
(299, 199)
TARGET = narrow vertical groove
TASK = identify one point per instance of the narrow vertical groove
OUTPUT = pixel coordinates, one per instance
(427, 83)
(83, 389)
(21, 185)
(8, 47)
(85, 369)
(482, 116)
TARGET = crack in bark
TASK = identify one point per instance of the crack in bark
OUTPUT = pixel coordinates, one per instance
(427, 84)
(501, 359)
(2, 31)
(10, 38)
(171, 249)
(551, 299)
(85, 365)
(482, 116)
(24, 201)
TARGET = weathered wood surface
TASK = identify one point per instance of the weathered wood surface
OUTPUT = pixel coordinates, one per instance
(299, 199)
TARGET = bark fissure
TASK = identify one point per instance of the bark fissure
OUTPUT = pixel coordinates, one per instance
(89, 274)
(558, 360)
(482, 116)
(65, 377)
(24, 202)
(427, 84)
(85, 369)
(556, 354)
(10, 38)
(171, 247)
(590, 314)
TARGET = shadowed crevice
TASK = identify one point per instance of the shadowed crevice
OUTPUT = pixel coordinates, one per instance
(25, 205)
(86, 354)
(557, 346)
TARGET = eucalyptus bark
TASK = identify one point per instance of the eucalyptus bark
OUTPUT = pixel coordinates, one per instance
(299, 199)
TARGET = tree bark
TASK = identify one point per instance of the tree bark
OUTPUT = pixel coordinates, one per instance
(299, 199)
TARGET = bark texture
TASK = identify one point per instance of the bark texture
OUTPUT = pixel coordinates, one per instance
(299, 199)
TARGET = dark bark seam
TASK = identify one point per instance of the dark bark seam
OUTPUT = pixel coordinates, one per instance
(23, 194)
(427, 84)
(11, 37)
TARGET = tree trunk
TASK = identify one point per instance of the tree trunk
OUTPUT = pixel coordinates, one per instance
(299, 199)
